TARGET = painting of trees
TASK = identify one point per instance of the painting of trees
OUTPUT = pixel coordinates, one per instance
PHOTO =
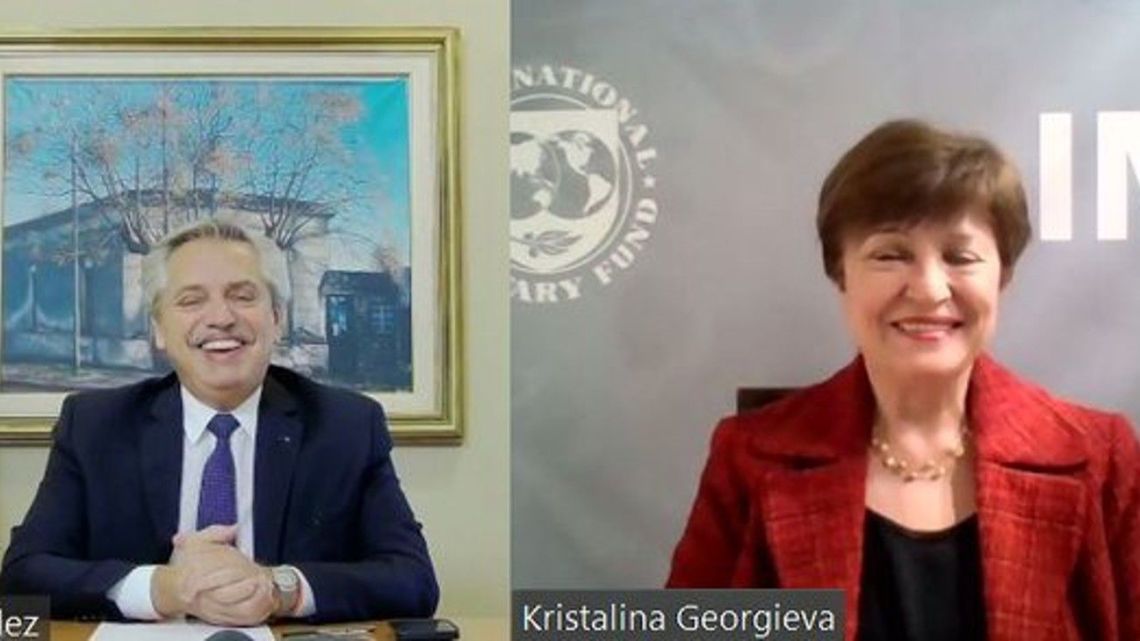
(307, 159)
(98, 169)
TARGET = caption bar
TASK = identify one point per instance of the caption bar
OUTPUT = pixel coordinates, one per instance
(25, 617)
(708, 615)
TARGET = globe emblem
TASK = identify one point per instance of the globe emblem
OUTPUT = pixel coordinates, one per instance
(570, 174)
(534, 175)
(567, 175)
(582, 203)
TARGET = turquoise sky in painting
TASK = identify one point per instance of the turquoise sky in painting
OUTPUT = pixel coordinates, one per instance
(375, 139)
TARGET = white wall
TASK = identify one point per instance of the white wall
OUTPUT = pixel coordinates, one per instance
(461, 494)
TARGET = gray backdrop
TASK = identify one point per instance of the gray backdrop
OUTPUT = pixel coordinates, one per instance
(746, 105)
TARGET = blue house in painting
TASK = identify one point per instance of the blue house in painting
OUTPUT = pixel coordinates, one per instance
(368, 328)
(47, 259)
(44, 259)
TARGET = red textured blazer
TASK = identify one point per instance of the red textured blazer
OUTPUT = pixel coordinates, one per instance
(781, 504)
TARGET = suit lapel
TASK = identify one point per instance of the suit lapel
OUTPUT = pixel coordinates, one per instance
(1031, 503)
(279, 433)
(161, 462)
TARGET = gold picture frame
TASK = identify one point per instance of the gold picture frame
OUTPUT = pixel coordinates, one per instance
(113, 136)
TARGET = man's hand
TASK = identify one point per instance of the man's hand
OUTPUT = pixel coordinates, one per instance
(249, 601)
(209, 578)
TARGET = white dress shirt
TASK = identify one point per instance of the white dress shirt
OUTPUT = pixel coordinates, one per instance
(132, 593)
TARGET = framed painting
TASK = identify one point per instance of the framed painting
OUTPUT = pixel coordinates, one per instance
(337, 145)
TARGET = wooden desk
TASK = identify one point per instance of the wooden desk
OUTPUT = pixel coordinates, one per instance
(470, 629)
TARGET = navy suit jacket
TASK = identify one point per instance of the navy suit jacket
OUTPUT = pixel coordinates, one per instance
(326, 500)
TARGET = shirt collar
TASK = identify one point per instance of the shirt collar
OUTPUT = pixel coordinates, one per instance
(196, 414)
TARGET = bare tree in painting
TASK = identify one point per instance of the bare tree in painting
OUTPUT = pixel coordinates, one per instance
(210, 153)
(97, 147)
(190, 144)
(297, 171)
(154, 155)
(131, 159)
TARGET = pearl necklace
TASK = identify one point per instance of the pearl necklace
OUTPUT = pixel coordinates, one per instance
(931, 469)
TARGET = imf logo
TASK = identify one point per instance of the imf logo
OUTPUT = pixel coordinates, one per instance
(1117, 161)
(581, 187)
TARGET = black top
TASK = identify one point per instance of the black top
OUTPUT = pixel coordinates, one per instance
(921, 586)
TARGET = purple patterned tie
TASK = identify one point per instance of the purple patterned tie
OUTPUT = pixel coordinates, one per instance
(217, 504)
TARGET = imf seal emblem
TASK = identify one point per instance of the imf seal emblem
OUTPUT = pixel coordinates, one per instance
(582, 203)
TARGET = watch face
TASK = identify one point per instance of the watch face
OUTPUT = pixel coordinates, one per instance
(285, 579)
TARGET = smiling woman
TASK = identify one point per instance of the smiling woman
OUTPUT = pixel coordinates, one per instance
(951, 276)
(948, 498)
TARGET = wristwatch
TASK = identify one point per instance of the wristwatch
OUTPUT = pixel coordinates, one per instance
(288, 588)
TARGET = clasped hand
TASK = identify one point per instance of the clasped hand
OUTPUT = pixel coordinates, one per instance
(209, 578)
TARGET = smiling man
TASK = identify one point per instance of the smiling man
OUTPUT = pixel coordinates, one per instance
(231, 490)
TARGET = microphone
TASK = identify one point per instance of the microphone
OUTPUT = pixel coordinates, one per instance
(229, 635)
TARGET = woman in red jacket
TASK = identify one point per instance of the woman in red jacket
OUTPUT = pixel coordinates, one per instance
(948, 498)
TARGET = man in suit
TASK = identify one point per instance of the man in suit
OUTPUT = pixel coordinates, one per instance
(231, 490)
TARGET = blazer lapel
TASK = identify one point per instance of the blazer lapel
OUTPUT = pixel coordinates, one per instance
(814, 527)
(1031, 504)
(160, 456)
(813, 508)
(279, 433)
(1031, 500)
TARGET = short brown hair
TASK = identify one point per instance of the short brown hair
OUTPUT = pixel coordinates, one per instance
(907, 172)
